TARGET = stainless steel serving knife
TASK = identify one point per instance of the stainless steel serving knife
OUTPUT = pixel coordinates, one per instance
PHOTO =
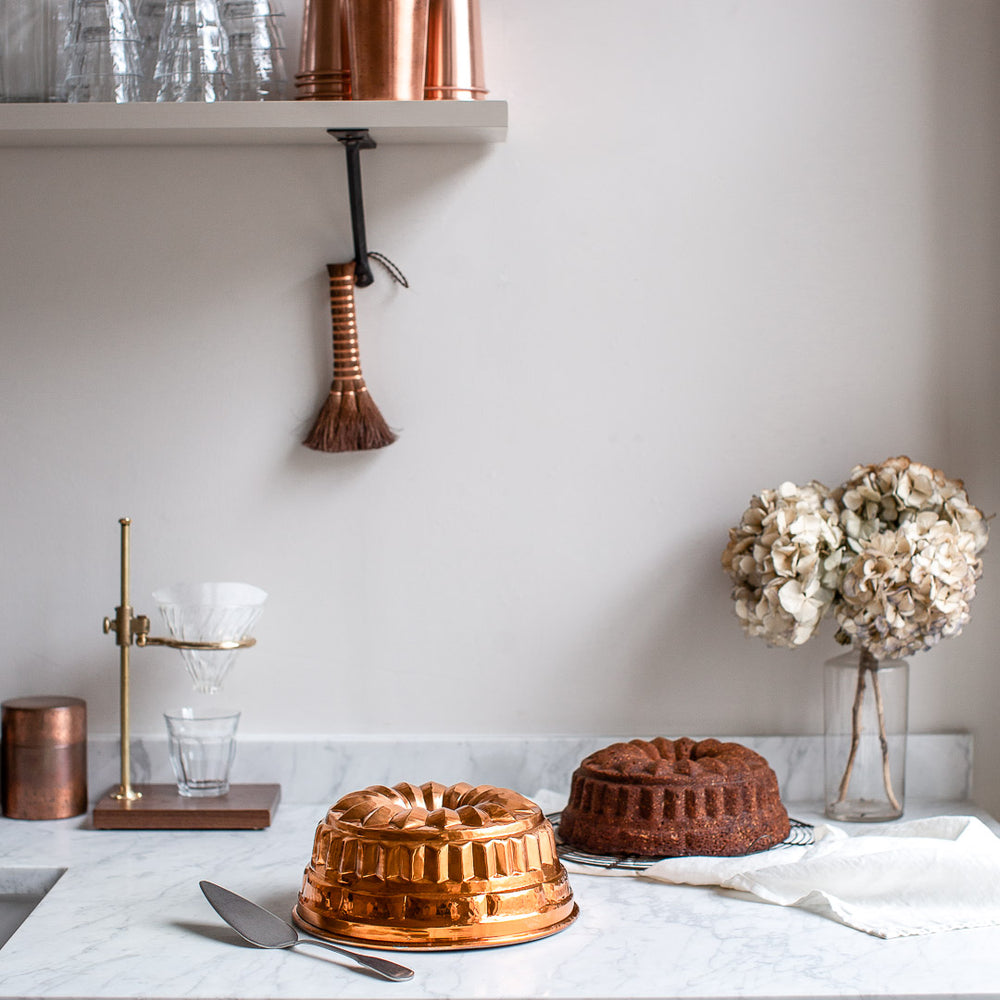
(262, 928)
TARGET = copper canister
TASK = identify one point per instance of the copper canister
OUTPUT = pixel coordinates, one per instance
(324, 63)
(454, 52)
(387, 42)
(43, 759)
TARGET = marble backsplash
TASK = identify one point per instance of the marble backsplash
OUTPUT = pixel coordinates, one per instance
(320, 769)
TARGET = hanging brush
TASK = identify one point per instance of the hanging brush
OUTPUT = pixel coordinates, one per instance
(349, 419)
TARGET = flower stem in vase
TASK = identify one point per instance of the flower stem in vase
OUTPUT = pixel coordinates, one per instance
(883, 737)
(859, 700)
(867, 664)
(865, 757)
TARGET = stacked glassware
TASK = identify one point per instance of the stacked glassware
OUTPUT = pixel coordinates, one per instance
(256, 49)
(32, 50)
(149, 17)
(102, 52)
(193, 60)
(141, 50)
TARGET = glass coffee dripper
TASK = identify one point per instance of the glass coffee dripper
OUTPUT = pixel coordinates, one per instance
(204, 618)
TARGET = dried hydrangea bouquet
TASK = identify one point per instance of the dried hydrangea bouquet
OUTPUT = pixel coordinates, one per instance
(894, 553)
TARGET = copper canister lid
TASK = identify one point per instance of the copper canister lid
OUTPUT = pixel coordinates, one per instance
(44, 721)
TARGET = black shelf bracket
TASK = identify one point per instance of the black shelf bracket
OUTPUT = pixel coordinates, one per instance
(353, 141)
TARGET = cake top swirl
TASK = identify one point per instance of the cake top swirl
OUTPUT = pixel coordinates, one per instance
(661, 758)
(431, 806)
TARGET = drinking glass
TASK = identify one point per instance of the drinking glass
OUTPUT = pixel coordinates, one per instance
(202, 746)
(149, 17)
(102, 52)
(256, 49)
(193, 60)
(32, 50)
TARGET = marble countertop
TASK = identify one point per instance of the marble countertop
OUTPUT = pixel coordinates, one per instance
(127, 920)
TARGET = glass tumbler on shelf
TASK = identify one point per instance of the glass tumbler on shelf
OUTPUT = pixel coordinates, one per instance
(102, 52)
(193, 59)
(256, 49)
(32, 50)
(149, 17)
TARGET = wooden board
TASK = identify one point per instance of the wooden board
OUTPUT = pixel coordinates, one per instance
(162, 807)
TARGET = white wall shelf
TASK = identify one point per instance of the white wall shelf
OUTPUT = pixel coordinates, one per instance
(263, 123)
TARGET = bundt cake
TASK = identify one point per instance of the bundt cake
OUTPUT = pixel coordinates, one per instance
(670, 798)
(429, 866)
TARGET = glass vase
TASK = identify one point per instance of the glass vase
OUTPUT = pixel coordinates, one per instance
(865, 721)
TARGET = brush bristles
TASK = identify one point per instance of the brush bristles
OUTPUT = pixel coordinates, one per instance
(349, 421)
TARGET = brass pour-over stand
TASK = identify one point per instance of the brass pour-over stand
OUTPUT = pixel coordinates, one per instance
(162, 807)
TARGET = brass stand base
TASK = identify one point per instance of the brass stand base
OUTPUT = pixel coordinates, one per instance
(162, 807)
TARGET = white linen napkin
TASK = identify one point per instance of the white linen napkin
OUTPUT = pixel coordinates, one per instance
(917, 877)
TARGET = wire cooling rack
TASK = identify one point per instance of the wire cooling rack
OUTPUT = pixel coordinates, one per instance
(799, 835)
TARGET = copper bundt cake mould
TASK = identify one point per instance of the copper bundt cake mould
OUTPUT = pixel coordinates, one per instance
(430, 867)
(673, 798)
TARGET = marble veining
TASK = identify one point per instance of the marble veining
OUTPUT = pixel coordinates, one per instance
(317, 769)
(127, 919)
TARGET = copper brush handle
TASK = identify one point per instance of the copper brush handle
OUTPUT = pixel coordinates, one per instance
(349, 419)
(343, 319)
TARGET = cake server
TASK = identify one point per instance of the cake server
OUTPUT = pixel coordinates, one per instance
(262, 928)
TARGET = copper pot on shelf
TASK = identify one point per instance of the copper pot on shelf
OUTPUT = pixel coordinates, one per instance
(454, 52)
(324, 61)
(387, 46)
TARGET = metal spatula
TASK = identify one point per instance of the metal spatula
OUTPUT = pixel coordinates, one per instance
(265, 930)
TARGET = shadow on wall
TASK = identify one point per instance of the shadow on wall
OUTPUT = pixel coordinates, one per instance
(964, 96)
(680, 664)
(965, 195)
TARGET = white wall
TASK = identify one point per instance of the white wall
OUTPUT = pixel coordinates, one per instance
(725, 244)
